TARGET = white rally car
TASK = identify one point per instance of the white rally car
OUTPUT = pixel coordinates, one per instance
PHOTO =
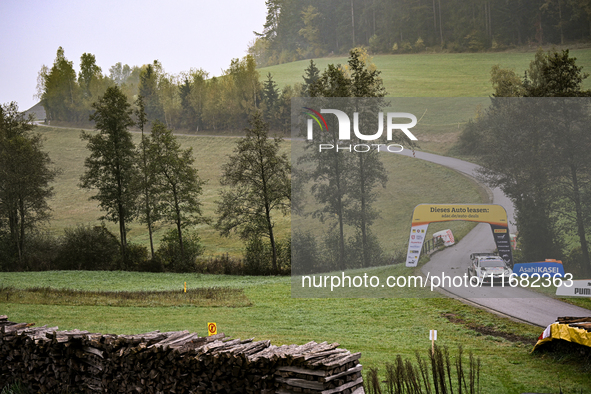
(487, 267)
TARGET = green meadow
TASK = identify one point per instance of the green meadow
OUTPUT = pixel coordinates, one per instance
(380, 328)
(431, 74)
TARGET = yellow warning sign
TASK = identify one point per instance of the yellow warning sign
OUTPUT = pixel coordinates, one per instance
(212, 329)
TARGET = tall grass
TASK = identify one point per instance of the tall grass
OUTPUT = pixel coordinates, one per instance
(404, 377)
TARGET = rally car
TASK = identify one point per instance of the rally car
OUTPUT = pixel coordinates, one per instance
(488, 266)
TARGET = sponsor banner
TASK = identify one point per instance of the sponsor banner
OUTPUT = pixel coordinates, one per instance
(415, 244)
(503, 242)
(579, 288)
(540, 268)
(487, 213)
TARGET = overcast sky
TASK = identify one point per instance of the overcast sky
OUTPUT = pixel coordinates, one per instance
(181, 34)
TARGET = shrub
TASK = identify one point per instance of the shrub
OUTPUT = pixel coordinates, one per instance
(221, 265)
(354, 251)
(169, 251)
(137, 255)
(284, 256)
(257, 257)
(419, 45)
(41, 251)
(88, 248)
(305, 253)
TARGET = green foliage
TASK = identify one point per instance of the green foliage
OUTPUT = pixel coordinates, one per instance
(59, 90)
(175, 183)
(294, 27)
(258, 179)
(258, 257)
(25, 178)
(89, 72)
(306, 255)
(137, 257)
(111, 167)
(311, 75)
(175, 259)
(545, 170)
(88, 248)
(148, 89)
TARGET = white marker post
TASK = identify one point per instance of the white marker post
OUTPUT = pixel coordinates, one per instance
(433, 338)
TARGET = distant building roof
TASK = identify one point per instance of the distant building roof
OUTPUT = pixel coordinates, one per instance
(37, 110)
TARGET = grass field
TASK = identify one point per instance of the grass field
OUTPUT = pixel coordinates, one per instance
(379, 328)
(431, 75)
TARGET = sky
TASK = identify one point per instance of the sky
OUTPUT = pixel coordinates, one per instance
(181, 34)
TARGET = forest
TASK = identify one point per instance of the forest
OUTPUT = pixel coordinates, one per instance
(297, 30)
(190, 100)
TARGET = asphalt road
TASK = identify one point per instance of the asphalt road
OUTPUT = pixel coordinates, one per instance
(516, 302)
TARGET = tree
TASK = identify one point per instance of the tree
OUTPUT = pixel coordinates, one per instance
(111, 167)
(60, 90)
(257, 175)
(89, 71)
(177, 182)
(546, 169)
(311, 75)
(331, 169)
(148, 89)
(26, 173)
(271, 100)
(311, 31)
(369, 172)
(148, 211)
(345, 182)
(119, 73)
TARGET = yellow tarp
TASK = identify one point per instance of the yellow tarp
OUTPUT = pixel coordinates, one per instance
(567, 333)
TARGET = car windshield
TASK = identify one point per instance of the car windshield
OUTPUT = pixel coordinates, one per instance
(492, 264)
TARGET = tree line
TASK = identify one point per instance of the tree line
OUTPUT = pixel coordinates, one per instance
(190, 100)
(533, 142)
(306, 29)
(153, 182)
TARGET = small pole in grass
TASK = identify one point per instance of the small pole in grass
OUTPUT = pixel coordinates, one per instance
(433, 338)
(185, 287)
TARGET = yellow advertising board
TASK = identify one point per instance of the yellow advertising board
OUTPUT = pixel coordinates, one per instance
(487, 213)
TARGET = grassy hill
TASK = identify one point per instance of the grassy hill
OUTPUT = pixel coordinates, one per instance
(431, 75)
(410, 183)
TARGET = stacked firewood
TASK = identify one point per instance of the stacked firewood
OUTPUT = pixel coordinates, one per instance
(48, 360)
(579, 322)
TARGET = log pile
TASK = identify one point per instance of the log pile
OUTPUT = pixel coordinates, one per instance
(578, 322)
(47, 360)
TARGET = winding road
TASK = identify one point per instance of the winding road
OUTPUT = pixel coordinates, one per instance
(517, 303)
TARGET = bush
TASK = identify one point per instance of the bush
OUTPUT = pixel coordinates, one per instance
(257, 257)
(41, 251)
(169, 251)
(284, 256)
(88, 248)
(137, 255)
(419, 45)
(220, 265)
(151, 265)
(354, 251)
(305, 253)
